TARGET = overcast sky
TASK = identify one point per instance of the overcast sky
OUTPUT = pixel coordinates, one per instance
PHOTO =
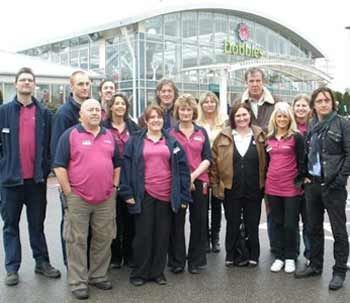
(24, 24)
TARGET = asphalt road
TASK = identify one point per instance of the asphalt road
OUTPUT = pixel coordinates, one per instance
(215, 284)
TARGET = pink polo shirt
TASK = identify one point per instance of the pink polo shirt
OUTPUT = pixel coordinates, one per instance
(27, 140)
(156, 156)
(302, 127)
(282, 168)
(90, 162)
(196, 147)
(121, 138)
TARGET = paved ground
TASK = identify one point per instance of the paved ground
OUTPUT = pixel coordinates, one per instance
(216, 284)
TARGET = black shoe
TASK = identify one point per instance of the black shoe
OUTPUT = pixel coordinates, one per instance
(177, 270)
(137, 281)
(336, 282)
(11, 279)
(161, 280)
(104, 285)
(193, 270)
(44, 268)
(307, 272)
(81, 294)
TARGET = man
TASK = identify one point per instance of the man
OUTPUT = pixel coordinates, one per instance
(106, 91)
(327, 150)
(68, 116)
(88, 150)
(166, 95)
(258, 97)
(25, 126)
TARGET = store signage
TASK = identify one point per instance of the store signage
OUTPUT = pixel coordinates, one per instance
(242, 48)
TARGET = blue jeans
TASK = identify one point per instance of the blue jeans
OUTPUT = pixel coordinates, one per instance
(12, 200)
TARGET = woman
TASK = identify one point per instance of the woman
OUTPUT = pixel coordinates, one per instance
(302, 111)
(195, 142)
(238, 172)
(151, 194)
(122, 127)
(285, 148)
(209, 118)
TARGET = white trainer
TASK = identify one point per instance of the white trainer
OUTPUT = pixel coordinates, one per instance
(277, 265)
(289, 266)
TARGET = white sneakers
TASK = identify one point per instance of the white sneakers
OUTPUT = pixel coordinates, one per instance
(289, 266)
(277, 265)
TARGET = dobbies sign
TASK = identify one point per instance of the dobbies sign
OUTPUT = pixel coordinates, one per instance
(242, 48)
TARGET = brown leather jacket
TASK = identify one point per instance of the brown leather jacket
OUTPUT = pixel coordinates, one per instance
(221, 169)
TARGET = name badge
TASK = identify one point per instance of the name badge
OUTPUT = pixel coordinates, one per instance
(197, 138)
(5, 130)
(108, 141)
(86, 142)
(268, 148)
(176, 150)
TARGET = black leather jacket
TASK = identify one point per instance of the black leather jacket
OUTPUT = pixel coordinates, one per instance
(335, 153)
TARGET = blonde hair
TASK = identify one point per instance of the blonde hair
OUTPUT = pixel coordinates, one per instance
(201, 115)
(282, 108)
(189, 100)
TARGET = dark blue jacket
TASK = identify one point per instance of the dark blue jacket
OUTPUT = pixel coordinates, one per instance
(10, 166)
(133, 173)
(66, 116)
(130, 125)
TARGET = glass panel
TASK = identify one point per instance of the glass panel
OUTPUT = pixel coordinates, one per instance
(112, 60)
(221, 29)
(57, 94)
(170, 60)
(84, 58)
(9, 92)
(74, 57)
(94, 57)
(189, 27)
(154, 28)
(154, 60)
(206, 55)
(206, 30)
(189, 55)
(172, 26)
(125, 62)
(42, 93)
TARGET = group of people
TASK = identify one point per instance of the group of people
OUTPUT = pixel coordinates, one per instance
(125, 187)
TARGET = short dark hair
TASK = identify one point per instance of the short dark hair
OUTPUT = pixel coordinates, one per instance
(160, 85)
(103, 82)
(252, 71)
(24, 70)
(111, 102)
(322, 90)
(236, 106)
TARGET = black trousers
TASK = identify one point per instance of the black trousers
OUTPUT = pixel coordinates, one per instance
(122, 245)
(215, 215)
(198, 231)
(177, 243)
(33, 196)
(150, 245)
(251, 215)
(319, 198)
(285, 218)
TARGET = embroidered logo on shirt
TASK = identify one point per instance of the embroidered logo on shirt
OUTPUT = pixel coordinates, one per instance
(86, 142)
(197, 138)
(5, 130)
(268, 148)
(107, 141)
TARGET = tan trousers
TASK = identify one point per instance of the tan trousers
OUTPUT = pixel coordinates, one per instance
(78, 217)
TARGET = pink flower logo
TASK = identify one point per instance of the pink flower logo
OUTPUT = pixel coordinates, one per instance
(243, 32)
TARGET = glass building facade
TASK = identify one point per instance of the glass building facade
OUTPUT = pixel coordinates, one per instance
(188, 47)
